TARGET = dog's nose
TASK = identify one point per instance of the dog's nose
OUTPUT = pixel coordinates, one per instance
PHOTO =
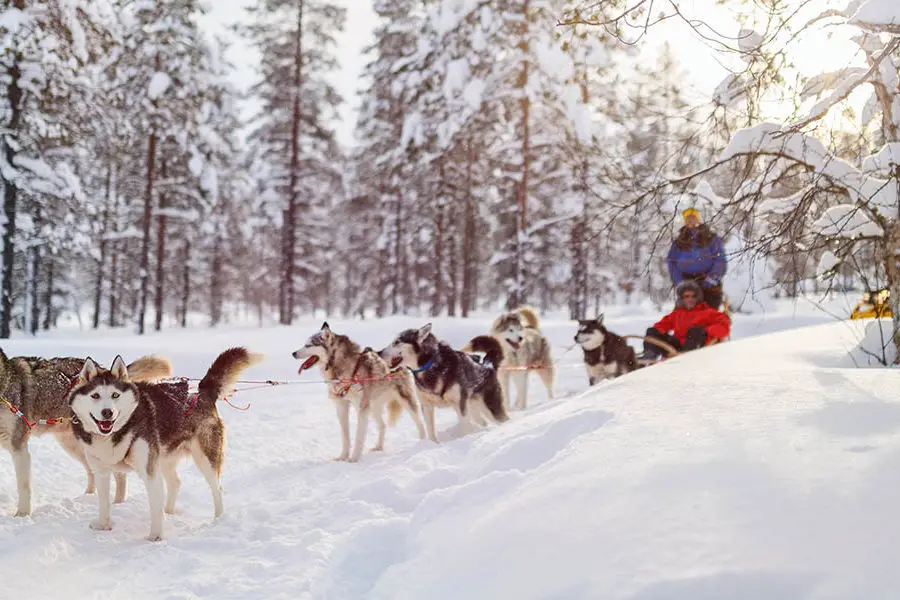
(295, 353)
(106, 413)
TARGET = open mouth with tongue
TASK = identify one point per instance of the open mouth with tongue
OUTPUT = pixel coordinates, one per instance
(309, 363)
(515, 345)
(395, 362)
(105, 427)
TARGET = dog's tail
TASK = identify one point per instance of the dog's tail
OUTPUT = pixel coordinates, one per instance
(493, 351)
(529, 316)
(149, 369)
(224, 371)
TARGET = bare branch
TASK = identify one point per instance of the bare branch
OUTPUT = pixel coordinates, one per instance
(841, 95)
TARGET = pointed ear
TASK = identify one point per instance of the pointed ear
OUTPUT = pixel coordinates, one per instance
(600, 319)
(325, 326)
(119, 370)
(88, 371)
(424, 332)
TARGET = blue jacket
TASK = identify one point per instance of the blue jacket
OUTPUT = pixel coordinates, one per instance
(708, 261)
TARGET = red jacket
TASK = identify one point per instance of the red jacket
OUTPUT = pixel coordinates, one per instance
(680, 320)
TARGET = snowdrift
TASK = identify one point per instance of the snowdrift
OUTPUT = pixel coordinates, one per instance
(762, 468)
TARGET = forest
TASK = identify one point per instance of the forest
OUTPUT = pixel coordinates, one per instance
(508, 152)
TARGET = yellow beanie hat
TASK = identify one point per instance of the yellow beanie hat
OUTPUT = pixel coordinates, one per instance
(691, 211)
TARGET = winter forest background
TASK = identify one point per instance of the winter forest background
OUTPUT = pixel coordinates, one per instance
(504, 151)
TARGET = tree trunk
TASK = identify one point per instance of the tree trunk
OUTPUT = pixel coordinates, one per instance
(576, 292)
(891, 261)
(186, 281)
(113, 283)
(145, 238)
(35, 302)
(289, 234)
(399, 264)
(517, 297)
(438, 267)
(469, 266)
(10, 190)
(453, 289)
(161, 224)
(48, 296)
(215, 292)
(381, 299)
(101, 263)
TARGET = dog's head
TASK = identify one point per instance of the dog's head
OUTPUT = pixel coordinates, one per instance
(103, 400)
(407, 347)
(591, 333)
(317, 348)
(509, 328)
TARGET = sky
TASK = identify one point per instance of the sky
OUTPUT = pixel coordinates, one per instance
(356, 36)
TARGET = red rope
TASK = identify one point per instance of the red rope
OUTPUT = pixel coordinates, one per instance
(228, 402)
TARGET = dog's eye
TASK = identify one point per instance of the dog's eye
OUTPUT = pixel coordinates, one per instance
(115, 395)
(95, 396)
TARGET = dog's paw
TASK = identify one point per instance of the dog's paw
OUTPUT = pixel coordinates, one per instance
(119, 500)
(353, 459)
(154, 537)
(377, 449)
(101, 525)
(22, 513)
(341, 458)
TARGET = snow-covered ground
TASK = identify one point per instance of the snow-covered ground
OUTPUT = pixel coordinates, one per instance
(763, 468)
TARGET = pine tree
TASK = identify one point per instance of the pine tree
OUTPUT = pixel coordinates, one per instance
(296, 41)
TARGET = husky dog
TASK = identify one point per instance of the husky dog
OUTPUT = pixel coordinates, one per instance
(38, 387)
(339, 357)
(446, 377)
(526, 350)
(606, 355)
(125, 425)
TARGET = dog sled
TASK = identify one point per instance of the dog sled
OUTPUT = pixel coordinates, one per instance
(874, 305)
(669, 350)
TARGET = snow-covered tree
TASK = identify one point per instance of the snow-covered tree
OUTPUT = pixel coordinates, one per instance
(293, 135)
(45, 46)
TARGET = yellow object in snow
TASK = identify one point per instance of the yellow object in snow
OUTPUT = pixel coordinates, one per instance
(874, 305)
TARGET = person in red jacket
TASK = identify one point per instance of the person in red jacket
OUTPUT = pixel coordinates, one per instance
(692, 324)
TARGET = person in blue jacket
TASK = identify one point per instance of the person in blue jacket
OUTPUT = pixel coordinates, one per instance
(697, 253)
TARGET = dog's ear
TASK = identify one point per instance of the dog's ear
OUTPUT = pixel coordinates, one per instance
(119, 370)
(325, 326)
(88, 371)
(424, 332)
(600, 319)
(326, 331)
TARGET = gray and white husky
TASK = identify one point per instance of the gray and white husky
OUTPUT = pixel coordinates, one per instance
(450, 378)
(38, 388)
(526, 350)
(124, 425)
(339, 358)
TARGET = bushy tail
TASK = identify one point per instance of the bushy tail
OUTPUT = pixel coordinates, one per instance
(149, 369)
(493, 351)
(395, 410)
(529, 317)
(224, 372)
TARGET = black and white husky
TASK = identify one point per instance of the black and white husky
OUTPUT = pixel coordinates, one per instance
(124, 425)
(451, 378)
(606, 355)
